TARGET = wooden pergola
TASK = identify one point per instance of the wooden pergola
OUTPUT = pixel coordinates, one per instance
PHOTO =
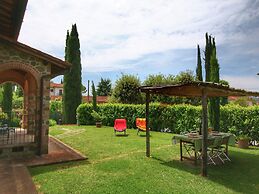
(204, 90)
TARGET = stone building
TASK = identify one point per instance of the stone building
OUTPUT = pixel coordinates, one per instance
(32, 70)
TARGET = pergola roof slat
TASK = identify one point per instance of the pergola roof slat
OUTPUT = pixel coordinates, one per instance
(195, 89)
(12, 12)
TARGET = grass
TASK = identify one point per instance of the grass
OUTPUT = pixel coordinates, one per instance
(117, 164)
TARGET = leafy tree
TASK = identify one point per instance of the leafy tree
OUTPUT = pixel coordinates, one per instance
(126, 90)
(72, 96)
(104, 87)
(199, 67)
(184, 77)
(94, 97)
(7, 100)
(160, 80)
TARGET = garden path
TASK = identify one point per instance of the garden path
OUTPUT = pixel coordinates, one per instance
(15, 178)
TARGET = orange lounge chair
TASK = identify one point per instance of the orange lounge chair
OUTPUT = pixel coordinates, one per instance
(141, 124)
(120, 125)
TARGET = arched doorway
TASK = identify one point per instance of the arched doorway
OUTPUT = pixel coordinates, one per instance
(13, 137)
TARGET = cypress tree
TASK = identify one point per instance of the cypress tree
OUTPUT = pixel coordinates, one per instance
(67, 47)
(72, 96)
(94, 97)
(199, 67)
(7, 102)
(207, 57)
(214, 106)
(214, 67)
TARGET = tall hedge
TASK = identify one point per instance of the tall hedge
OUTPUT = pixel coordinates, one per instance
(173, 117)
(178, 118)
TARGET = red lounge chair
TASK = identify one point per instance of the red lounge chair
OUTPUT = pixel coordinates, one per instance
(120, 125)
(141, 124)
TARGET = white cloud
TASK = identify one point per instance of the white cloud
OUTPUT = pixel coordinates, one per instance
(250, 83)
(113, 31)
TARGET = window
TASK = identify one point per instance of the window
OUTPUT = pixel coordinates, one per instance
(60, 93)
(51, 90)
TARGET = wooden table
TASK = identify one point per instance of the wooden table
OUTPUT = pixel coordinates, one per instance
(193, 145)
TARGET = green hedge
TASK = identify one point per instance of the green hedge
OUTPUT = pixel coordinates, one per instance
(240, 120)
(173, 117)
(179, 118)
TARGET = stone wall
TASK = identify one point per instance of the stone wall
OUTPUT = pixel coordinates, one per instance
(8, 54)
(13, 59)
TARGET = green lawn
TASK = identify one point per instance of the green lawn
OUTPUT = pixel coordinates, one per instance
(117, 164)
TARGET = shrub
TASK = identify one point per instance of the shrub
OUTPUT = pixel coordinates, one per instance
(178, 118)
(55, 112)
(84, 116)
(52, 122)
(3, 118)
(15, 122)
(97, 117)
(240, 120)
(17, 102)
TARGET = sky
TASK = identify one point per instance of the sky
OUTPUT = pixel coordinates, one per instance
(149, 36)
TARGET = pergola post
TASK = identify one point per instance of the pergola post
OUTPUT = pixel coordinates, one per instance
(204, 134)
(147, 125)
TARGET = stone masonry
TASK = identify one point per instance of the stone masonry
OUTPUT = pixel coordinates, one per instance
(33, 74)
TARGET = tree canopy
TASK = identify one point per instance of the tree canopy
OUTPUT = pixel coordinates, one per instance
(104, 87)
(126, 90)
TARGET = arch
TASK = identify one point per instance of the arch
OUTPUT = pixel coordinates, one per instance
(28, 78)
(22, 66)
(12, 76)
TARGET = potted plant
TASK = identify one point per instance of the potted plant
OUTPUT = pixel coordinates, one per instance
(98, 118)
(243, 141)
